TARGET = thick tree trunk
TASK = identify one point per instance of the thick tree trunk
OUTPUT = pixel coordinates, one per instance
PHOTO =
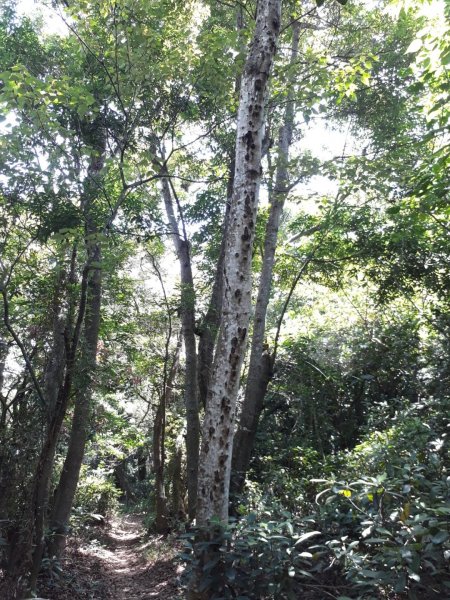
(217, 430)
(217, 438)
(188, 324)
(260, 366)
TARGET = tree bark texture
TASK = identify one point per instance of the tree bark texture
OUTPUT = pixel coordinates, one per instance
(3, 357)
(261, 363)
(211, 323)
(217, 433)
(54, 369)
(190, 346)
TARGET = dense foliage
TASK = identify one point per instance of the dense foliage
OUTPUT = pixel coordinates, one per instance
(120, 125)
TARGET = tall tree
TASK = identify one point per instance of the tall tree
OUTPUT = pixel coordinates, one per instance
(182, 248)
(261, 362)
(217, 431)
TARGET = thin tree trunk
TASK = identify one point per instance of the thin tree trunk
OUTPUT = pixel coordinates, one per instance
(210, 325)
(87, 364)
(54, 369)
(188, 324)
(176, 469)
(217, 438)
(261, 365)
(4, 408)
(42, 477)
(159, 454)
(70, 473)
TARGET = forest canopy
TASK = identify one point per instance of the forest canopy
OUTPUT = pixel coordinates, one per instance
(224, 312)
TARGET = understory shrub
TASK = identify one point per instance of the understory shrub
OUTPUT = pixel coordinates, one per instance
(97, 498)
(377, 527)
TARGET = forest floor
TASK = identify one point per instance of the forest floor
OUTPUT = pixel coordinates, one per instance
(119, 562)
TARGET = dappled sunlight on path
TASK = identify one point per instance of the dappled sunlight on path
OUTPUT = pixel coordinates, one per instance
(133, 567)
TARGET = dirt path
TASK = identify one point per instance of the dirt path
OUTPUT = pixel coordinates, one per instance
(138, 569)
(121, 563)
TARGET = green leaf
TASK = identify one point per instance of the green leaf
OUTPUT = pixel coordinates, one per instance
(307, 536)
(440, 537)
(414, 46)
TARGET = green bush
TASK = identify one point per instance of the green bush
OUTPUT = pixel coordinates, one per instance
(257, 559)
(97, 497)
(379, 528)
(390, 507)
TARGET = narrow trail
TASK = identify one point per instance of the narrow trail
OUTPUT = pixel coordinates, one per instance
(135, 568)
(122, 563)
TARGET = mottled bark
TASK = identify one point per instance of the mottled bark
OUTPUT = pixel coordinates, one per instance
(260, 365)
(217, 432)
(182, 249)
(210, 325)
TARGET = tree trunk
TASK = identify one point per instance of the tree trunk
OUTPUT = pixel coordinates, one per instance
(217, 433)
(4, 408)
(159, 454)
(211, 322)
(56, 362)
(188, 324)
(42, 476)
(260, 366)
(68, 481)
(178, 509)
(89, 290)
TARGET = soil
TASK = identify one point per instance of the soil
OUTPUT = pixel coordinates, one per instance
(120, 562)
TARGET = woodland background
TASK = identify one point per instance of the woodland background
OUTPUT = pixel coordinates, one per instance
(119, 182)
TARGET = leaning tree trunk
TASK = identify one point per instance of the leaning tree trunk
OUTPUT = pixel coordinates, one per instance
(211, 322)
(87, 362)
(261, 363)
(217, 431)
(68, 481)
(188, 324)
(42, 476)
(210, 325)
